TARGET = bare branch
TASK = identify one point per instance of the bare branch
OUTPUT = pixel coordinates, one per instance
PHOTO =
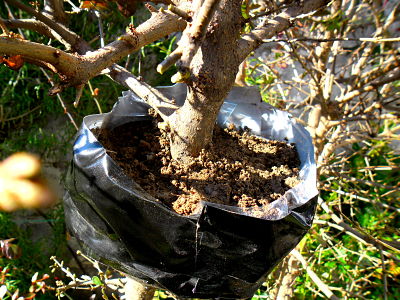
(359, 235)
(392, 17)
(390, 77)
(30, 24)
(79, 91)
(179, 12)
(78, 69)
(152, 96)
(62, 61)
(169, 61)
(270, 12)
(4, 27)
(284, 20)
(314, 277)
(54, 9)
(323, 40)
(62, 33)
(159, 25)
(60, 99)
(357, 197)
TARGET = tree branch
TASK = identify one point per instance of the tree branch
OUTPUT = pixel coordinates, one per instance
(354, 232)
(314, 277)
(149, 94)
(197, 31)
(179, 12)
(159, 25)
(192, 37)
(62, 61)
(30, 24)
(63, 34)
(55, 10)
(78, 69)
(4, 27)
(284, 20)
(387, 78)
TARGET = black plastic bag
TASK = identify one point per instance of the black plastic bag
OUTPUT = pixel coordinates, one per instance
(221, 252)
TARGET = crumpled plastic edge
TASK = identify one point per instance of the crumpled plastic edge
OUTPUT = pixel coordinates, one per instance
(245, 109)
(222, 252)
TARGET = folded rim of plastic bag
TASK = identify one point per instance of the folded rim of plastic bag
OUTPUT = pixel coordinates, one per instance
(244, 108)
(221, 252)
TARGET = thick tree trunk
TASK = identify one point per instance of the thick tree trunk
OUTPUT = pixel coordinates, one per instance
(213, 70)
(194, 122)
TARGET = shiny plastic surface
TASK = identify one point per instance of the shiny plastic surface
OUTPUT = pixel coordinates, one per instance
(222, 252)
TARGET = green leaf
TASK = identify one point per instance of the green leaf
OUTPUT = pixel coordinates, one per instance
(96, 280)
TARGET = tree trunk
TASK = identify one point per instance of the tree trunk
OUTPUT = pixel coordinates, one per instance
(213, 70)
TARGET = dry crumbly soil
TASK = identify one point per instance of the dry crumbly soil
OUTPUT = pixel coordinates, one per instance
(238, 169)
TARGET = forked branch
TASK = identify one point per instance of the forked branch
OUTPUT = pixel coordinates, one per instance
(249, 42)
(197, 31)
(77, 69)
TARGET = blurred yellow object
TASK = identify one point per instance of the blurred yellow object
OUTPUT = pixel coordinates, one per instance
(21, 185)
(20, 165)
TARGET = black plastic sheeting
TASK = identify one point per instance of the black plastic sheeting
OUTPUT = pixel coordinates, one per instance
(219, 253)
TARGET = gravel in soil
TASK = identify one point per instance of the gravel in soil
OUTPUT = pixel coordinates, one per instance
(238, 169)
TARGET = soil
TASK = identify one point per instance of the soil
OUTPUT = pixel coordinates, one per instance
(238, 169)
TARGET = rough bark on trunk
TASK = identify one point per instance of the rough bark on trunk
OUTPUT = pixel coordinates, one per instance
(213, 71)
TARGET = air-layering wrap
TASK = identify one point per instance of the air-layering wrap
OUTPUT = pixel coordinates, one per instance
(222, 252)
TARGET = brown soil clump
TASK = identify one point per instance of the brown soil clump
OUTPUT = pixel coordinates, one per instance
(237, 170)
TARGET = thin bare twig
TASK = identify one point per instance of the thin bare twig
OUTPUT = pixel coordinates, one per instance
(19, 116)
(362, 236)
(4, 27)
(344, 39)
(62, 33)
(284, 20)
(270, 12)
(60, 99)
(357, 197)
(179, 12)
(95, 97)
(384, 275)
(314, 277)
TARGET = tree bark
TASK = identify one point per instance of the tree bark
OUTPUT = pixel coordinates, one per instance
(55, 10)
(213, 70)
